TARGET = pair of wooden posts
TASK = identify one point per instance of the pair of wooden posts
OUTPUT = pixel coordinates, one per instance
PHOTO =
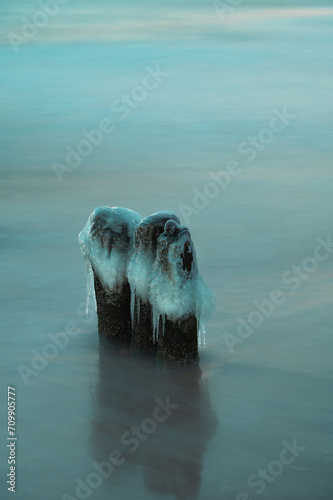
(142, 270)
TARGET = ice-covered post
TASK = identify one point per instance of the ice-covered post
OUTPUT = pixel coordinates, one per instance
(180, 299)
(107, 243)
(138, 271)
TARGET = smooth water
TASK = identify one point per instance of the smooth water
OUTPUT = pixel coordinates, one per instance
(222, 81)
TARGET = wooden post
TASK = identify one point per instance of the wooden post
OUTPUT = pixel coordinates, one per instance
(107, 243)
(146, 235)
(113, 312)
(177, 329)
(178, 345)
(150, 295)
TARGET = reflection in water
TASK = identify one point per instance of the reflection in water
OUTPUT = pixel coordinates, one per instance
(161, 423)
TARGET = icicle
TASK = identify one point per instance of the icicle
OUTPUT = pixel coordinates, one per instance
(163, 323)
(138, 308)
(90, 285)
(132, 305)
(204, 338)
(201, 332)
(156, 322)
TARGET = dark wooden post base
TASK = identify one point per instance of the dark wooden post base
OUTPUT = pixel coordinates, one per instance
(178, 346)
(113, 311)
(142, 335)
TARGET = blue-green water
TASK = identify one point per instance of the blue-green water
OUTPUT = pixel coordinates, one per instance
(222, 83)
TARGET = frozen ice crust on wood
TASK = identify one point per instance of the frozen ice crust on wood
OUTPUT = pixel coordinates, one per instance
(107, 243)
(138, 271)
(141, 263)
(176, 290)
(148, 290)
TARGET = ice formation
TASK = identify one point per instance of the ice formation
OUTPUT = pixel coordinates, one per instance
(107, 242)
(141, 263)
(157, 258)
(176, 290)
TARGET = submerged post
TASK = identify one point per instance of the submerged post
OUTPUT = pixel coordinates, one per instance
(181, 301)
(149, 293)
(107, 244)
(138, 271)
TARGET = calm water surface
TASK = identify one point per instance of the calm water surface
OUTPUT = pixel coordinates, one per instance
(224, 81)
